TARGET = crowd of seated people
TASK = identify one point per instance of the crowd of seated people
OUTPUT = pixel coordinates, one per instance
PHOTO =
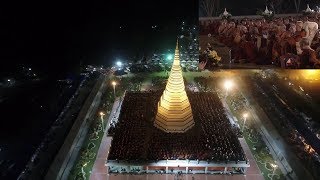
(211, 139)
(217, 128)
(130, 132)
(286, 42)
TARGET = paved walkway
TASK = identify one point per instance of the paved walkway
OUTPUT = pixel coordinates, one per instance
(253, 171)
(99, 170)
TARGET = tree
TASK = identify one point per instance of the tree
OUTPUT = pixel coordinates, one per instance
(136, 57)
(297, 5)
(276, 5)
(144, 59)
(210, 7)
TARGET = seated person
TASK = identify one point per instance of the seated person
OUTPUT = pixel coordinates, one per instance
(290, 60)
(308, 56)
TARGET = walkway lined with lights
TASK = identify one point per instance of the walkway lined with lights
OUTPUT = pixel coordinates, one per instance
(100, 170)
(253, 171)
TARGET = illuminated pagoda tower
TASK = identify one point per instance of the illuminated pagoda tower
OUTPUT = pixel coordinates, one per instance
(174, 113)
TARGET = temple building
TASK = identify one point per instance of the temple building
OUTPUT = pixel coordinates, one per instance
(174, 114)
(167, 132)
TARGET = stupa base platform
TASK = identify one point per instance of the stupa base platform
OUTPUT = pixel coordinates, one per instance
(137, 142)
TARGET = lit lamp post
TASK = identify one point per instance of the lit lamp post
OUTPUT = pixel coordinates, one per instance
(245, 115)
(119, 63)
(274, 166)
(169, 57)
(82, 170)
(227, 85)
(101, 115)
(114, 88)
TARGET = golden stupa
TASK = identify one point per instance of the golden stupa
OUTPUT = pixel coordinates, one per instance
(174, 113)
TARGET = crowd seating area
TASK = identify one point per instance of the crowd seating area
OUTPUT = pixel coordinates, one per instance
(131, 130)
(281, 41)
(212, 138)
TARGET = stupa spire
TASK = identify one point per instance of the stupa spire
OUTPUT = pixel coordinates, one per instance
(174, 110)
(176, 60)
(177, 45)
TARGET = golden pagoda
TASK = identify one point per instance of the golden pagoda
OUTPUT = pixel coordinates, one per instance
(174, 113)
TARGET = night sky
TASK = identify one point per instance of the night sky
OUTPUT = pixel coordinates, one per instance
(55, 37)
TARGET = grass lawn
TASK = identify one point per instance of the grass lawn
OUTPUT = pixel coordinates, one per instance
(88, 152)
(86, 158)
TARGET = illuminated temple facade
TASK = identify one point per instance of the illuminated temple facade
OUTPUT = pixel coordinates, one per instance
(174, 113)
